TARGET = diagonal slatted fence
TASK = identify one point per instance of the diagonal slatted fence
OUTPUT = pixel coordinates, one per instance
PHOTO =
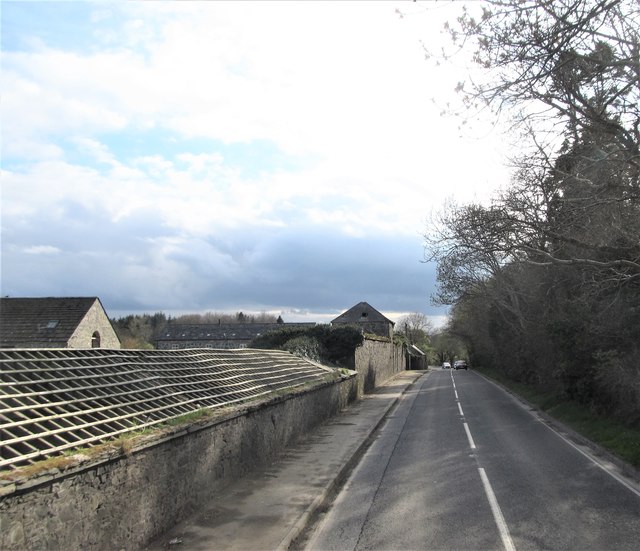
(52, 400)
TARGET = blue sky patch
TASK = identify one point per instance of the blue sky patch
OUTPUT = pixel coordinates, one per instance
(250, 159)
(72, 26)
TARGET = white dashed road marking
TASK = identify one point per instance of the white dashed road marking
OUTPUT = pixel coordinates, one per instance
(503, 529)
(497, 512)
(472, 444)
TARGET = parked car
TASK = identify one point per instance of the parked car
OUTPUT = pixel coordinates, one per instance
(460, 364)
(446, 365)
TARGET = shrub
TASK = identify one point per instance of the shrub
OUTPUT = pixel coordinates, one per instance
(305, 346)
(334, 346)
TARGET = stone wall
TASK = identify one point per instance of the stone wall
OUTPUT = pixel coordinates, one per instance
(376, 361)
(130, 495)
(96, 320)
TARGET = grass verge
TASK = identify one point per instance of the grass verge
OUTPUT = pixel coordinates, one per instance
(619, 439)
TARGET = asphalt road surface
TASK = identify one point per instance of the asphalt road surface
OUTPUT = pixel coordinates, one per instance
(460, 464)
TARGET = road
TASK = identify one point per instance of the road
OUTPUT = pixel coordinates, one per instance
(461, 464)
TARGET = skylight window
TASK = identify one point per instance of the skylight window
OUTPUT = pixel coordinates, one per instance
(52, 324)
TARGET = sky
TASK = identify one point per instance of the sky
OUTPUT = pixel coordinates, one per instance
(279, 157)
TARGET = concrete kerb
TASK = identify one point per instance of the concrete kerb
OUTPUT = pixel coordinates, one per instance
(327, 494)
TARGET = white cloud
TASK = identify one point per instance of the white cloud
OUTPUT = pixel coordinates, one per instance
(96, 150)
(340, 90)
(42, 249)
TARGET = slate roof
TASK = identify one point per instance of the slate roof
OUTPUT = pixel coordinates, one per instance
(413, 350)
(362, 312)
(48, 320)
(223, 331)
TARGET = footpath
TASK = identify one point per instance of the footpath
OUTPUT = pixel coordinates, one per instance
(269, 508)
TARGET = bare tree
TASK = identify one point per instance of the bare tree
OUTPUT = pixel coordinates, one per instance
(573, 62)
(416, 327)
(545, 281)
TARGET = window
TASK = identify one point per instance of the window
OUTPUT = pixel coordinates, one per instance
(95, 340)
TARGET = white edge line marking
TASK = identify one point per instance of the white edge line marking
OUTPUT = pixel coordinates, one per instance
(538, 417)
(497, 513)
(611, 473)
(456, 393)
(460, 408)
(471, 442)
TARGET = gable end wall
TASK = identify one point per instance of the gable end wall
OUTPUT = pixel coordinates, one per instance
(95, 320)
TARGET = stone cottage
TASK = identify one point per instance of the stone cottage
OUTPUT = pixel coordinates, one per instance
(55, 322)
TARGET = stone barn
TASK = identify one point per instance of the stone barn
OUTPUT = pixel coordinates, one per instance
(365, 316)
(55, 322)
